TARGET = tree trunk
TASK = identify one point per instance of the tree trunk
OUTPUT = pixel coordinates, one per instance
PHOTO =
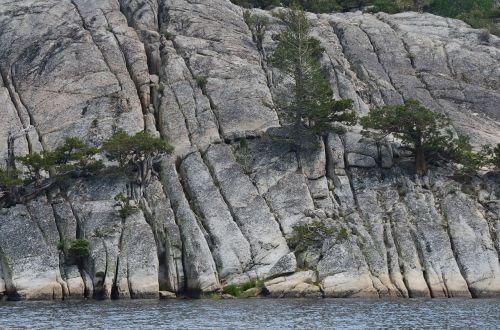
(420, 161)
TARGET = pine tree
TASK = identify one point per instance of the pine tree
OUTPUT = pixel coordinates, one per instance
(312, 107)
(423, 131)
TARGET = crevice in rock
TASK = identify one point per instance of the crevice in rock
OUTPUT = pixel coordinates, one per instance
(99, 288)
(229, 206)
(418, 76)
(425, 272)
(377, 54)
(84, 25)
(25, 125)
(193, 208)
(213, 107)
(127, 61)
(115, 293)
(455, 255)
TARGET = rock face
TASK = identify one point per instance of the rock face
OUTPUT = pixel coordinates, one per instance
(190, 72)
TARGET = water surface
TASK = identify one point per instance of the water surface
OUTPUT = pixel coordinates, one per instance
(254, 314)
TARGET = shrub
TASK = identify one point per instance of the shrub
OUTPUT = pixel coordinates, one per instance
(238, 290)
(258, 24)
(243, 155)
(202, 83)
(79, 250)
(310, 236)
(127, 209)
(250, 285)
(232, 289)
(342, 234)
(401, 188)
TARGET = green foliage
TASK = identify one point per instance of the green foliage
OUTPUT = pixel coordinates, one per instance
(258, 24)
(232, 289)
(167, 35)
(454, 8)
(202, 83)
(342, 234)
(418, 127)
(79, 250)
(312, 107)
(310, 236)
(72, 158)
(135, 154)
(482, 19)
(127, 209)
(264, 4)
(249, 285)
(10, 180)
(426, 134)
(496, 156)
(478, 13)
(243, 155)
(127, 149)
(239, 290)
(401, 188)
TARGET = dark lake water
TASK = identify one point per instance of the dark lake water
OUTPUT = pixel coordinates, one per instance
(254, 314)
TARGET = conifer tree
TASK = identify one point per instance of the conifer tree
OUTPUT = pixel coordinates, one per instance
(311, 107)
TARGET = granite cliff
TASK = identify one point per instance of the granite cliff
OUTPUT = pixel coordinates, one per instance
(84, 67)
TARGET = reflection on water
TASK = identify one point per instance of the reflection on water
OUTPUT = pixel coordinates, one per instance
(254, 314)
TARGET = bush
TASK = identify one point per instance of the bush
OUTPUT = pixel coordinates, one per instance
(342, 234)
(202, 83)
(127, 209)
(238, 290)
(232, 289)
(401, 188)
(79, 250)
(258, 24)
(310, 236)
(243, 155)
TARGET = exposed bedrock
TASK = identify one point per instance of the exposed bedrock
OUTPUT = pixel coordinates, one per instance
(216, 214)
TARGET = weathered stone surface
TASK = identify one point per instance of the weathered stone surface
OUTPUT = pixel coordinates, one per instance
(189, 71)
(343, 272)
(30, 263)
(137, 268)
(249, 209)
(298, 285)
(472, 245)
(185, 115)
(230, 248)
(160, 216)
(289, 200)
(167, 295)
(82, 97)
(359, 160)
(216, 42)
(199, 266)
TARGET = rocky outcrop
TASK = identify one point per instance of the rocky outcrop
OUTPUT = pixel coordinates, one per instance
(217, 214)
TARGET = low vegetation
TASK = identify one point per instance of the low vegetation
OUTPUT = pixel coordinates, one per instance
(239, 290)
(78, 250)
(311, 236)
